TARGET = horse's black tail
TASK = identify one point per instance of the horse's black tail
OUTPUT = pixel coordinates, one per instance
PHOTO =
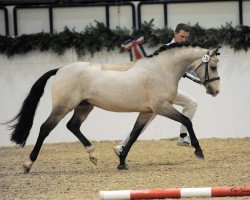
(24, 119)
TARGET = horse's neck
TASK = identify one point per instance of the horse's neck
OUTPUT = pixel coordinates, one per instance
(180, 60)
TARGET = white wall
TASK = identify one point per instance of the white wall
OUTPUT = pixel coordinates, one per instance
(33, 21)
(207, 14)
(36, 20)
(211, 14)
(77, 17)
(246, 12)
(2, 22)
(227, 115)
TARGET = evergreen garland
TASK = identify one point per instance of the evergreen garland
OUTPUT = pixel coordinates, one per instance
(96, 38)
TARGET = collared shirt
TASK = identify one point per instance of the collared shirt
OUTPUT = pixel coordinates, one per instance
(172, 41)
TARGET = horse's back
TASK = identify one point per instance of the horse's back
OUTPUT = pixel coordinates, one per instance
(118, 67)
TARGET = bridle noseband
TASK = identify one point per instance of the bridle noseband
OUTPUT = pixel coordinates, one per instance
(205, 59)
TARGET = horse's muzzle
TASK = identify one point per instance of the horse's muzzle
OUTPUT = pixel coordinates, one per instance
(209, 90)
(216, 93)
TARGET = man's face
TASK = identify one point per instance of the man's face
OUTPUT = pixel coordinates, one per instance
(182, 36)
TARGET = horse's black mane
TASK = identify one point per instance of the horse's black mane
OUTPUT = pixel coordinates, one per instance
(166, 47)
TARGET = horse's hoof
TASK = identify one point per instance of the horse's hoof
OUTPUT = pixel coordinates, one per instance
(199, 154)
(26, 169)
(122, 167)
(93, 159)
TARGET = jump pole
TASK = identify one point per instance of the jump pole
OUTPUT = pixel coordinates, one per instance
(175, 193)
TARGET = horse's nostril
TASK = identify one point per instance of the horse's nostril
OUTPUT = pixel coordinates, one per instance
(215, 93)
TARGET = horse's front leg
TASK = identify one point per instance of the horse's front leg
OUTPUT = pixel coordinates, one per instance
(167, 110)
(140, 123)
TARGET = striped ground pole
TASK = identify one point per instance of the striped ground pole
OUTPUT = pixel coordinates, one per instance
(175, 193)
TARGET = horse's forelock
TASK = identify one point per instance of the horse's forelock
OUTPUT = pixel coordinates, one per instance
(214, 60)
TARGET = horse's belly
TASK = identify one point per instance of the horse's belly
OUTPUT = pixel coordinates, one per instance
(119, 107)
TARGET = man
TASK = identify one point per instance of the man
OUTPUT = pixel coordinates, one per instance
(189, 105)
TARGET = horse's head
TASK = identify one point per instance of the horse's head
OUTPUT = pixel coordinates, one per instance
(207, 71)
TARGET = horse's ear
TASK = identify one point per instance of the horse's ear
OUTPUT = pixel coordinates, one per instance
(216, 51)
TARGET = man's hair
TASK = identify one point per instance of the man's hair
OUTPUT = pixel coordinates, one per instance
(182, 27)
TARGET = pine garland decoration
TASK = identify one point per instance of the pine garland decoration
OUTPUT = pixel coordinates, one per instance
(99, 37)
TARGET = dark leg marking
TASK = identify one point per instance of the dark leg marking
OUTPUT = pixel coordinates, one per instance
(140, 123)
(177, 116)
(81, 112)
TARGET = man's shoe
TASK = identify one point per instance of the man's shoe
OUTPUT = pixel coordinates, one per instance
(185, 141)
(118, 149)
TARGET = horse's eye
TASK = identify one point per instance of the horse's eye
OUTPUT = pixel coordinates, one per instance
(213, 68)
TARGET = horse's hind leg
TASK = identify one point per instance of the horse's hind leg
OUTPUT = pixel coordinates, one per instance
(140, 123)
(54, 118)
(81, 112)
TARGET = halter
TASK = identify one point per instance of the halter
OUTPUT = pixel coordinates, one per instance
(205, 59)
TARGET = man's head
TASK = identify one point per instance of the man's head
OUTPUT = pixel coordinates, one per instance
(181, 33)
